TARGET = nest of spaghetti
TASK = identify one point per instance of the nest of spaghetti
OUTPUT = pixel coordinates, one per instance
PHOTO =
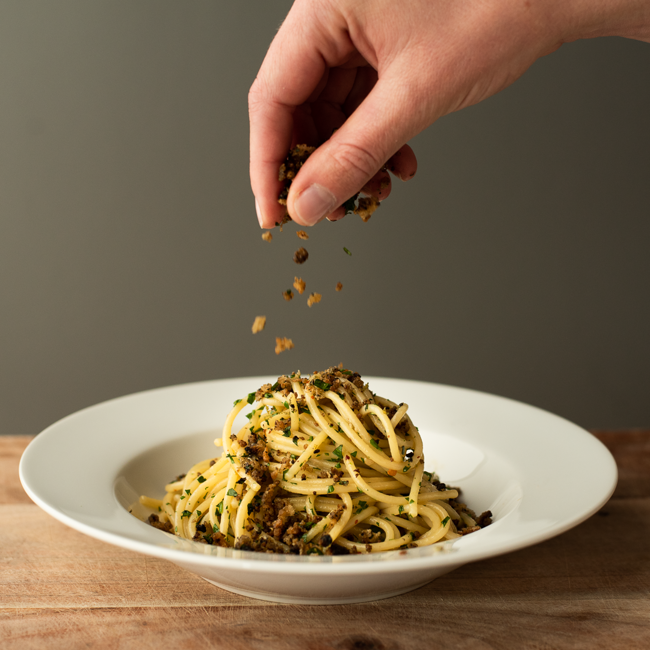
(323, 466)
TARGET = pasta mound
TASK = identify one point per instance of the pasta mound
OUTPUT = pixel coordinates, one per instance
(323, 466)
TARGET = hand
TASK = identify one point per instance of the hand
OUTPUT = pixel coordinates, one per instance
(359, 78)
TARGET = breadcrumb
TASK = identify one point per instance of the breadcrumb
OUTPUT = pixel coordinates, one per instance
(313, 299)
(302, 234)
(299, 285)
(366, 206)
(288, 294)
(300, 256)
(259, 324)
(290, 167)
(282, 344)
(267, 236)
(339, 286)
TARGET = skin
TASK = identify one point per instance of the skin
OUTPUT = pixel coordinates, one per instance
(359, 78)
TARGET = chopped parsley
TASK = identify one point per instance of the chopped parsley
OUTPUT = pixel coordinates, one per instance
(251, 398)
(321, 384)
(361, 506)
(295, 440)
(236, 402)
(314, 549)
(347, 251)
(374, 443)
(353, 454)
(219, 509)
(187, 492)
(444, 521)
(330, 489)
(186, 513)
(201, 479)
(215, 528)
(232, 492)
(338, 452)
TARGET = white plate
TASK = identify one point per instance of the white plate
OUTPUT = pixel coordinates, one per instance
(539, 474)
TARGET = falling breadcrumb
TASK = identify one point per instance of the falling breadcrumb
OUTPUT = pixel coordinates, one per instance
(299, 285)
(258, 325)
(288, 294)
(339, 286)
(302, 234)
(313, 299)
(282, 344)
(300, 256)
(267, 236)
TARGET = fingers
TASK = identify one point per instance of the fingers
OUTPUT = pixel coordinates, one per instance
(373, 134)
(403, 163)
(292, 71)
(378, 186)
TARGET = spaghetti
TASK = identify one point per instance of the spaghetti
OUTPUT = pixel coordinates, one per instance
(323, 466)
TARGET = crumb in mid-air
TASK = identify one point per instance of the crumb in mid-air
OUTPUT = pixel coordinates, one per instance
(267, 236)
(288, 294)
(299, 285)
(313, 299)
(339, 286)
(259, 324)
(282, 344)
(300, 256)
(302, 234)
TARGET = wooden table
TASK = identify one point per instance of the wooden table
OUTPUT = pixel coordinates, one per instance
(588, 588)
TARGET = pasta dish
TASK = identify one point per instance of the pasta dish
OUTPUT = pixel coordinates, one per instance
(323, 466)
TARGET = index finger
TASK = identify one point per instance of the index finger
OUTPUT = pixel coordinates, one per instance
(291, 71)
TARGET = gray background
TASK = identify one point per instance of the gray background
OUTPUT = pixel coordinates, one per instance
(516, 262)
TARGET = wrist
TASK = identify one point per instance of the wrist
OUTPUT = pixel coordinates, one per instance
(581, 19)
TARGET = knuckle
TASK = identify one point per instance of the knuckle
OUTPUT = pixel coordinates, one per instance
(350, 155)
(256, 96)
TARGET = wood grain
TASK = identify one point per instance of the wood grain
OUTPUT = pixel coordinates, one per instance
(587, 588)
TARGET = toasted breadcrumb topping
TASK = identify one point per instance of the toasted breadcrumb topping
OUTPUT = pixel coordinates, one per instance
(302, 234)
(267, 236)
(313, 299)
(259, 324)
(290, 167)
(288, 294)
(339, 286)
(282, 344)
(366, 206)
(299, 285)
(300, 256)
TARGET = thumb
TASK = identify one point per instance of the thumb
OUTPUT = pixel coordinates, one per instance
(389, 116)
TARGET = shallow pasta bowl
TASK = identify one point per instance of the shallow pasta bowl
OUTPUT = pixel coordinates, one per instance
(539, 474)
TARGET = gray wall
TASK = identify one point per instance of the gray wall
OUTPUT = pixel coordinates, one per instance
(516, 262)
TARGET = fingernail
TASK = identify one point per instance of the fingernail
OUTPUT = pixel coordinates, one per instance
(314, 203)
(259, 213)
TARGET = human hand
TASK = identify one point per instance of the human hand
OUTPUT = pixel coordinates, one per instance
(359, 78)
